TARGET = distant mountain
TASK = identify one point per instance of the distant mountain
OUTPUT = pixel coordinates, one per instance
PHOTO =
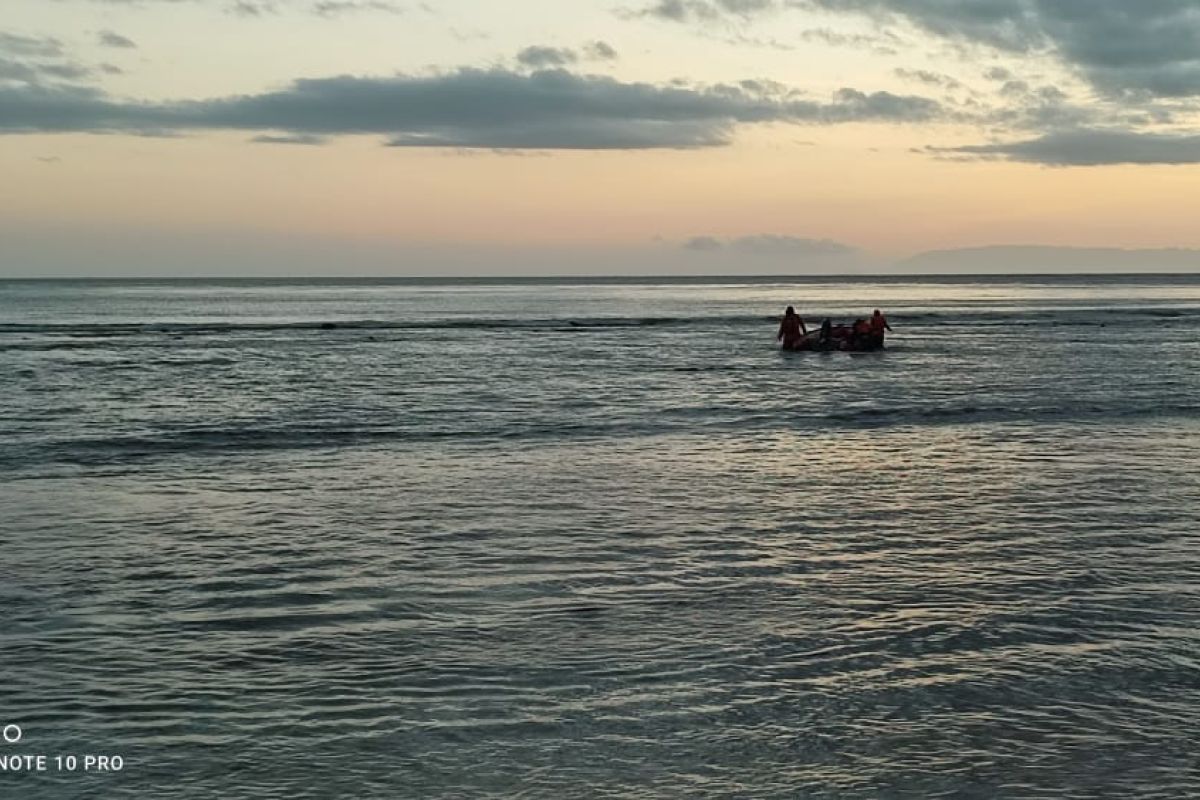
(1034, 258)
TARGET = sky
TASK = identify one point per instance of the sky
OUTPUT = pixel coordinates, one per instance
(401, 137)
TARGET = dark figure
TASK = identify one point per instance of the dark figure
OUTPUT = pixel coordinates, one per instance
(791, 330)
(826, 331)
(860, 335)
(879, 324)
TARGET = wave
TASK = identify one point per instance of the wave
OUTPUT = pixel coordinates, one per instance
(983, 413)
(135, 329)
(235, 440)
(1070, 317)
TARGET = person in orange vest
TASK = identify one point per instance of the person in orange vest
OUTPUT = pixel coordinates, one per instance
(879, 324)
(860, 335)
(791, 330)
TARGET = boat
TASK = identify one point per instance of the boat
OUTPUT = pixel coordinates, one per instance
(840, 340)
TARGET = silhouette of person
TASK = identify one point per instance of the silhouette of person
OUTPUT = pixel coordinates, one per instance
(826, 330)
(879, 324)
(791, 330)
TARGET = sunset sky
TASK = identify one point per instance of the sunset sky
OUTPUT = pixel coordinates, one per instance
(346, 137)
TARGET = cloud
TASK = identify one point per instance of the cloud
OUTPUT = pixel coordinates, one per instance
(13, 70)
(744, 7)
(260, 8)
(1014, 89)
(23, 60)
(250, 8)
(305, 139)
(692, 10)
(542, 57)
(111, 39)
(600, 51)
(1089, 147)
(1007, 24)
(569, 134)
(885, 43)
(333, 8)
(853, 105)
(703, 244)
(33, 46)
(770, 245)
(1150, 46)
(538, 56)
(678, 10)
(65, 70)
(1048, 108)
(473, 108)
(927, 77)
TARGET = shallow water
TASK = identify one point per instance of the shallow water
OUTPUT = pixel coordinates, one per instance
(488, 539)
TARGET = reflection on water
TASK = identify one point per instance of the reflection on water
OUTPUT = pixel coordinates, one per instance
(636, 561)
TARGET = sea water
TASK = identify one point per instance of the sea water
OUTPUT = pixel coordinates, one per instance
(316, 539)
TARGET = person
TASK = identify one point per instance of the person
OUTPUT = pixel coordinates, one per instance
(826, 331)
(791, 330)
(841, 336)
(879, 324)
(860, 334)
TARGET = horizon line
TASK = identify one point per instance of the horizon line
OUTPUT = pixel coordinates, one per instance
(608, 278)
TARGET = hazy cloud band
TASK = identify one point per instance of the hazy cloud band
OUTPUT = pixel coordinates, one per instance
(546, 109)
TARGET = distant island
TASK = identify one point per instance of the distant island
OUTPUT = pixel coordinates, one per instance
(1038, 258)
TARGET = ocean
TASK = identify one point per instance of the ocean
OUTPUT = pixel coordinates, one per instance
(599, 539)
